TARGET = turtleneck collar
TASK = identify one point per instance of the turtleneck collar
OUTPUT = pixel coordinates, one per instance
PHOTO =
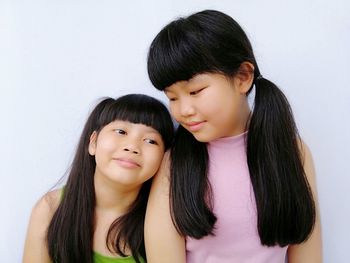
(229, 142)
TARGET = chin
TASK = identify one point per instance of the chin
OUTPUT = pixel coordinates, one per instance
(202, 138)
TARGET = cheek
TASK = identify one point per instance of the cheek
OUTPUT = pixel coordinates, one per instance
(153, 163)
(210, 108)
(104, 147)
(219, 105)
(174, 111)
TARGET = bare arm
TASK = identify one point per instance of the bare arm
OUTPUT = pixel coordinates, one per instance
(163, 243)
(311, 250)
(35, 247)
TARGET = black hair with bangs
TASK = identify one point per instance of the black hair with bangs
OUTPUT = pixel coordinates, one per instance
(136, 108)
(211, 41)
(185, 48)
(70, 232)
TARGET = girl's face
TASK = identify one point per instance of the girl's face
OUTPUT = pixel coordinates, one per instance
(126, 153)
(209, 105)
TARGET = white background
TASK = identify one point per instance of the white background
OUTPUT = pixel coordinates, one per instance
(58, 57)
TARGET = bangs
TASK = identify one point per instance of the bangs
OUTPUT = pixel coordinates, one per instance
(204, 42)
(179, 52)
(140, 109)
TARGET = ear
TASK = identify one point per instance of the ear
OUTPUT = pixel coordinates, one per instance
(244, 77)
(92, 143)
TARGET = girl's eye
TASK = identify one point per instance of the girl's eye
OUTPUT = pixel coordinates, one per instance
(120, 131)
(172, 99)
(150, 141)
(196, 91)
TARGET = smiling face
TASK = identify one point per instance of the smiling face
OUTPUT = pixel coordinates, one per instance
(126, 153)
(210, 105)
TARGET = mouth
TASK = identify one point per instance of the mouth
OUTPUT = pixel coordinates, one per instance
(127, 163)
(195, 125)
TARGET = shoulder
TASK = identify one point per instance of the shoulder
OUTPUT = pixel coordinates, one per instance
(309, 168)
(159, 194)
(43, 211)
(162, 179)
(311, 249)
(35, 248)
(304, 149)
(308, 163)
(47, 204)
(165, 165)
(161, 238)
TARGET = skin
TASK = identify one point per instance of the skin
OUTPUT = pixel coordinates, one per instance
(311, 250)
(162, 241)
(35, 248)
(196, 105)
(126, 155)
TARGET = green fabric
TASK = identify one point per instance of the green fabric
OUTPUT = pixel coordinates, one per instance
(98, 258)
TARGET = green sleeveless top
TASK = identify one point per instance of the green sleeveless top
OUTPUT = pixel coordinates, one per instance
(98, 258)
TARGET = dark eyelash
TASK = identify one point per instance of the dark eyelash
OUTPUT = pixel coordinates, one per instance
(120, 131)
(152, 141)
(196, 91)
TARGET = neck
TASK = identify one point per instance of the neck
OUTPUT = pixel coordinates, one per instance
(244, 119)
(111, 196)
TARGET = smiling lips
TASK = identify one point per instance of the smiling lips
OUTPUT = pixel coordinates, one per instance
(195, 125)
(127, 163)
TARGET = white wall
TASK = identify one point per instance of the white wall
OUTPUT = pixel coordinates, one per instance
(58, 57)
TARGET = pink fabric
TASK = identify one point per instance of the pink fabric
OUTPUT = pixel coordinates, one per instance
(236, 237)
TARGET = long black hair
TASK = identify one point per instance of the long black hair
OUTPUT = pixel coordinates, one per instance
(211, 41)
(70, 233)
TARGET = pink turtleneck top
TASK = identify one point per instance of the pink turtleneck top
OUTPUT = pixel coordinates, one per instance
(236, 237)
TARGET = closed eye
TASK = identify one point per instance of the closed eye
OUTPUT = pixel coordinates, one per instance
(170, 95)
(196, 91)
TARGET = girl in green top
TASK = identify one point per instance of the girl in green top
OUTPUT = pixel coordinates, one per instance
(100, 216)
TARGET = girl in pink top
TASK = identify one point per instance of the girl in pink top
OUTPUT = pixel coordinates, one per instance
(238, 185)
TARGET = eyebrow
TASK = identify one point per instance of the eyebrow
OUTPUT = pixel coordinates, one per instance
(149, 129)
(152, 131)
(146, 129)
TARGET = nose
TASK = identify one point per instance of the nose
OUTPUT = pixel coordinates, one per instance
(131, 144)
(131, 148)
(186, 107)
